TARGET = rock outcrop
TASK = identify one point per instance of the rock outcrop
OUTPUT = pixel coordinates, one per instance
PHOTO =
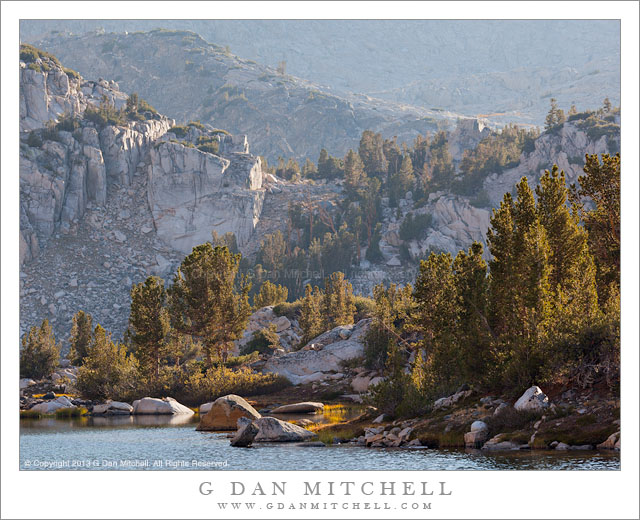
(323, 356)
(225, 412)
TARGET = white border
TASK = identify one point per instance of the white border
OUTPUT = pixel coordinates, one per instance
(174, 495)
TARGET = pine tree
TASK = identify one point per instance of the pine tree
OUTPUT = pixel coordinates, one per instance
(338, 303)
(601, 185)
(81, 330)
(108, 372)
(371, 151)
(39, 354)
(474, 334)
(552, 116)
(149, 324)
(606, 105)
(402, 181)
(309, 170)
(270, 294)
(205, 302)
(311, 321)
(441, 163)
(354, 175)
(436, 316)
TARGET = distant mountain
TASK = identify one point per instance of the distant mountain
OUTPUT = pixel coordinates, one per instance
(187, 78)
(458, 65)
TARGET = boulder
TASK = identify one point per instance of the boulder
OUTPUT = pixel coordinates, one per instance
(533, 400)
(477, 438)
(53, 405)
(496, 444)
(306, 407)
(153, 406)
(282, 323)
(611, 442)
(247, 431)
(112, 408)
(501, 408)
(225, 412)
(561, 446)
(445, 402)
(204, 408)
(275, 430)
(24, 383)
(479, 425)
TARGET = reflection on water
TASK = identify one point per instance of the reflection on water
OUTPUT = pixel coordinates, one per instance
(171, 442)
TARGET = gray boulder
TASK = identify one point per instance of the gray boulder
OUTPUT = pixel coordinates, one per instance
(534, 399)
(165, 406)
(275, 430)
(246, 433)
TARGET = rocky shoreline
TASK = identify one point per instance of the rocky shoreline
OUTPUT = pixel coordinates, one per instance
(570, 422)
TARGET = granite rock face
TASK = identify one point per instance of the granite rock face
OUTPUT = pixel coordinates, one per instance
(192, 193)
(322, 356)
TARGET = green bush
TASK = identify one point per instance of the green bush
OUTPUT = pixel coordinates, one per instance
(414, 227)
(289, 309)
(179, 131)
(365, 307)
(71, 73)
(201, 388)
(196, 124)
(34, 139)
(263, 341)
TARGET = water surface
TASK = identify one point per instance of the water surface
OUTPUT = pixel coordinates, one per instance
(171, 442)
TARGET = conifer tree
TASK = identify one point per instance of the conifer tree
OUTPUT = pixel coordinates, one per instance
(402, 181)
(354, 175)
(108, 372)
(149, 324)
(371, 151)
(270, 294)
(204, 301)
(601, 185)
(81, 331)
(567, 240)
(338, 303)
(311, 321)
(40, 353)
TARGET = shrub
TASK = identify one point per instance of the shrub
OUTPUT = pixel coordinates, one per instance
(34, 139)
(196, 124)
(201, 388)
(414, 227)
(365, 307)
(211, 148)
(67, 122)
(289, 309)
(39, 355)
(179, 131)
(71, 73)
(263, 341)
(62, 413)
(30, 414)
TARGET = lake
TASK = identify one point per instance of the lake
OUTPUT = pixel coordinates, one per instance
(172, 443)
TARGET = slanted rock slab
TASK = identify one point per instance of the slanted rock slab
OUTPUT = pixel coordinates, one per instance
(225, 412)
(246, 433)
(275, 430)
(154, 406)
(306, 407)
(534, 400)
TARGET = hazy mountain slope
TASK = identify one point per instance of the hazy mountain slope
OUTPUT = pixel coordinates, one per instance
(426, 62)
(187, 78)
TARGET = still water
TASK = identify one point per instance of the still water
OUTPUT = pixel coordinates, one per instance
(172, 443)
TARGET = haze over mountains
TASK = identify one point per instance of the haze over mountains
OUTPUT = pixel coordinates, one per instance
(470, 67)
